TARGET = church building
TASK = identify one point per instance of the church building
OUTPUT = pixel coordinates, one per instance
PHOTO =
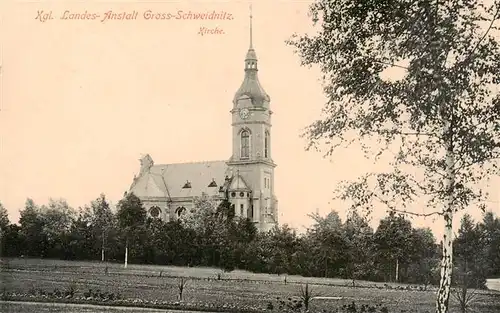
(246, 179)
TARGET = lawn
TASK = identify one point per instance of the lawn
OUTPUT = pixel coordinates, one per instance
(26, 307)
(236, 290)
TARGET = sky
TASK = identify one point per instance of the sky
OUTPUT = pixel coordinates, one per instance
(82, 100)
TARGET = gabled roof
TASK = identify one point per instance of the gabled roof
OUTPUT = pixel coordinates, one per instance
(168, 180)
(238, 183)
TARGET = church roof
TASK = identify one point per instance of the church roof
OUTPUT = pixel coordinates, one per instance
(181, 179)
(252, 88)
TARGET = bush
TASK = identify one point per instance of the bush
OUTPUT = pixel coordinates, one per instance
(364, 308)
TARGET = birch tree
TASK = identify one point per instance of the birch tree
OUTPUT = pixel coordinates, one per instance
(438, 122)
(102, 220)
(359, 247)
(131, 217)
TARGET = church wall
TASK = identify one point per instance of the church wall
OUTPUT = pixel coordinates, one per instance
(253, 175)
(167, 212)
(259, 177)
(241, 205)
(162, 205)
(276, 210)
(259, 123)
(258, 146)
(257, 209)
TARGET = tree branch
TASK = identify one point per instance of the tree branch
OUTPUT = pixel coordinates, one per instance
(391, 208)
(472, 294)
(423, 189)
(417, 214)
(484, 35)
(469, 164)
(390, 64)
(416, 134)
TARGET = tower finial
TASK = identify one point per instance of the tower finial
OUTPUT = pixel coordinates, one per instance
(251, 45)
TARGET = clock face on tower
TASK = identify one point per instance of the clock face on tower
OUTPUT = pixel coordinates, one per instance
(244, 113)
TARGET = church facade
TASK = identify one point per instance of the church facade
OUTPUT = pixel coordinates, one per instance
(246, 179)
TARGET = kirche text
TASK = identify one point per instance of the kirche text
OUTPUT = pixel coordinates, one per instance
(211, 31)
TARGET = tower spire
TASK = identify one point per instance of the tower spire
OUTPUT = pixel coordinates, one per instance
(251, 44)
(251, 86)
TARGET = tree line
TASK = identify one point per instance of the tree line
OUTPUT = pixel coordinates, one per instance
(211, 236)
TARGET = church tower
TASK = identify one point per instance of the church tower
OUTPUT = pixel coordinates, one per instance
(252, 184)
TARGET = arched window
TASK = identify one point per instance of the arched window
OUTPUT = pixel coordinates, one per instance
(154, 212)
(266, 145)
(245, 144)
(180, 210)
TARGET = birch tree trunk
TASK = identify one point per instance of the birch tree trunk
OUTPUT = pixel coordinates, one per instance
(102, 249)
(443, 295)
(126, 254)
(397, 270)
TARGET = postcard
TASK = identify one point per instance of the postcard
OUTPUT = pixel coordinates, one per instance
(249, 156)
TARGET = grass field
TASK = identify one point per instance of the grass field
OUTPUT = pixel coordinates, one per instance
(27, 307)
(235, 290)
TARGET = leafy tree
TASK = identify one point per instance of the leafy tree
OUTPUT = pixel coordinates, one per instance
(470, 262)
(359, 242)
(242, 233)
(245, 231)
(222, 238)
(302, 261)
(490, 227)
(12, 241)
(222, 233)
(471, 255)
(32, 226)
(102, 221)
(441, 115)
(209, 221)
(45, 229)
(59, 214)
(131, 218)
(423, 257)
(329, 244)
(276, 247)
(181, 245)
(154, 252)
(330, 221)
(4, 223)
(204, 209)
(57, 219)
(4, 217)
(392, 241)
(82, 241)
(226, 210)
